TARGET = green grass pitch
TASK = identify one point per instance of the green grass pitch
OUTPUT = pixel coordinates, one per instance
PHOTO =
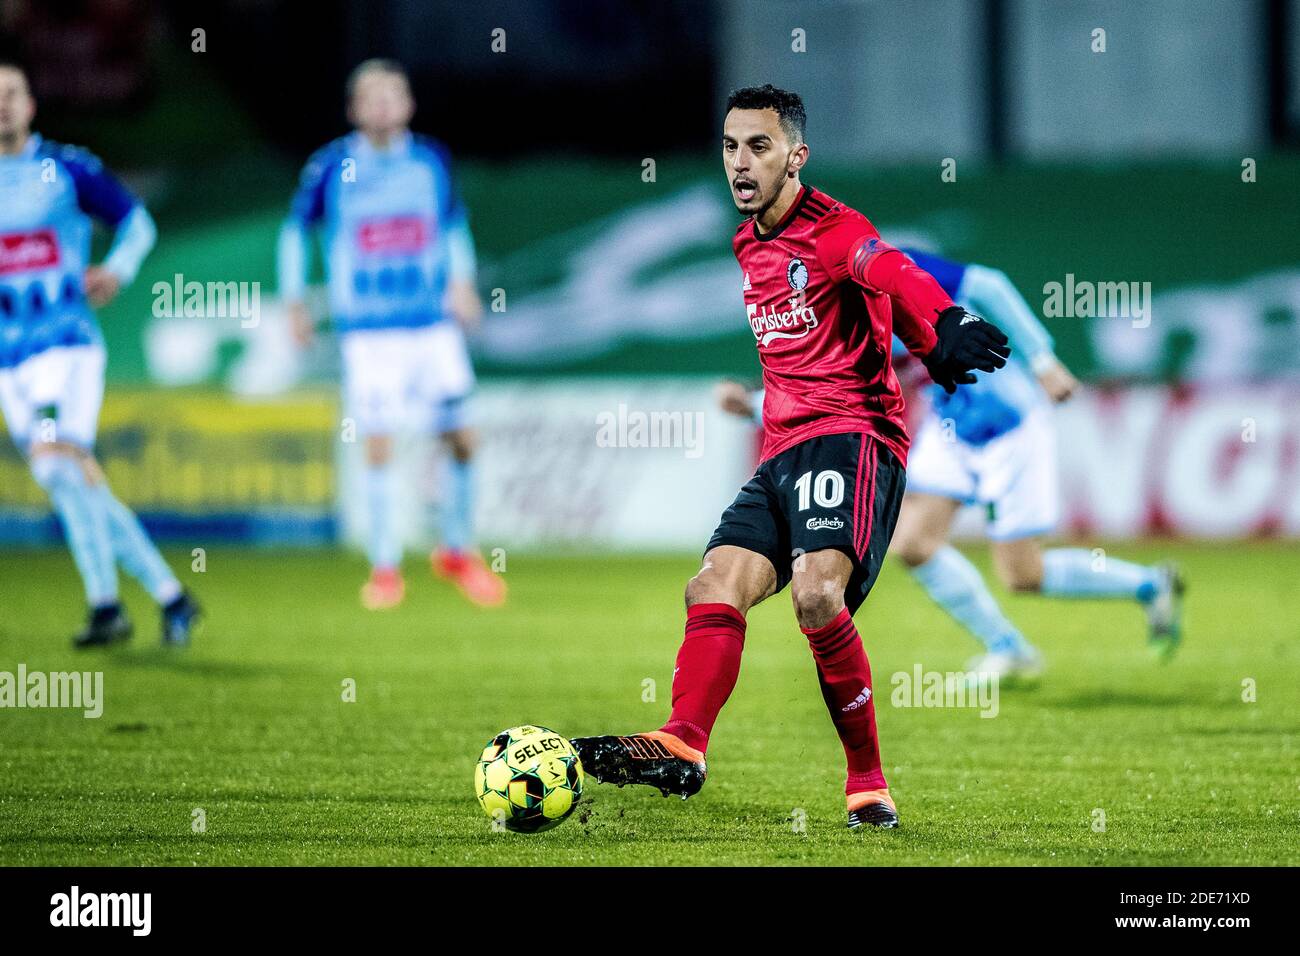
(250, 727)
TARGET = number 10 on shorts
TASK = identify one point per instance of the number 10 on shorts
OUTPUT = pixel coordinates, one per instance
(827, 490)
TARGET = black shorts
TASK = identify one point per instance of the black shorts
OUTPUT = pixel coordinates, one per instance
(833, 491)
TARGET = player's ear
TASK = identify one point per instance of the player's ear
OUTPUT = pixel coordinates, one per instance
(797, 159)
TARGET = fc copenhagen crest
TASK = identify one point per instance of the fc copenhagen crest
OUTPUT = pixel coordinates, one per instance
(796, 273)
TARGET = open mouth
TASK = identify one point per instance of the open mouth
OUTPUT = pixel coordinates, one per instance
(745, 189)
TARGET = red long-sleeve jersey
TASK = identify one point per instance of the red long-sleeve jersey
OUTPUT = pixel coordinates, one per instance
(823, 293)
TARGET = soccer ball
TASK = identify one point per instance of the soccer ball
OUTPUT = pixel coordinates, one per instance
(528, 778)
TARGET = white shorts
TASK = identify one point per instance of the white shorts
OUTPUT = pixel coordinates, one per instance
(54, 396)
(1012, 476)
(399, 380)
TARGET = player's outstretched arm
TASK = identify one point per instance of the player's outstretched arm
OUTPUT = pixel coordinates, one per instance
(949, 340)
(963, 341)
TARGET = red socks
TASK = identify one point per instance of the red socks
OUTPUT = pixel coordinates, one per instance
(707, 667)
(845, 677)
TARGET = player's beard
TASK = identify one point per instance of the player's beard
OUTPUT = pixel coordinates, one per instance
(767, 195)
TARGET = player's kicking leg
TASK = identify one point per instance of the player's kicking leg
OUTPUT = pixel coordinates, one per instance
(457, 559)
(671, 759)
(772, 535)
(952, 582)
(1024, 566)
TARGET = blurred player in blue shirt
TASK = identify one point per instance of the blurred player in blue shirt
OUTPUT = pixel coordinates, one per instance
(993, 443)
(400, 264)
(52, 353)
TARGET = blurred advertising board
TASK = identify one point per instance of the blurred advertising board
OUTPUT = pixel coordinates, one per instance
(200, 467)
(643, 464)
(1204, 461)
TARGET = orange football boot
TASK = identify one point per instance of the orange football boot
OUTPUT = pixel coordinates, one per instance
(468, 571)
(384, 590)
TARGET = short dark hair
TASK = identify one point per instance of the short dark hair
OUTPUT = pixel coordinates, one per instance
(788, 106)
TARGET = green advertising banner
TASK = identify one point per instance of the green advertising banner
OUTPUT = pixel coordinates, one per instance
(1149, 273)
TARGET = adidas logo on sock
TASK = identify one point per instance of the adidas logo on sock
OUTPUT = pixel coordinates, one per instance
(859, 701)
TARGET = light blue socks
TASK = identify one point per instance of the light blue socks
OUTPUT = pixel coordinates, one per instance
(956, 586)
(1076, 572)
(384, 545)
(132, 547)
(85, 524)
(458, 505)
(456, 517)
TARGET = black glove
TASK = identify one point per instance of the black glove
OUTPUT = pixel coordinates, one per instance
(966, 342)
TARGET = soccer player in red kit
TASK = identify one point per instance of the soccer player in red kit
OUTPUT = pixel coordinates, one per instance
(824, 295)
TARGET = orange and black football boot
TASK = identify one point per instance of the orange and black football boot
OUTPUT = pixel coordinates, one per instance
(656, 759)
(874, 808)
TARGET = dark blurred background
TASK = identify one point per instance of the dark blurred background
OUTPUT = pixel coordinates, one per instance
(601, 78)
(612, 78)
